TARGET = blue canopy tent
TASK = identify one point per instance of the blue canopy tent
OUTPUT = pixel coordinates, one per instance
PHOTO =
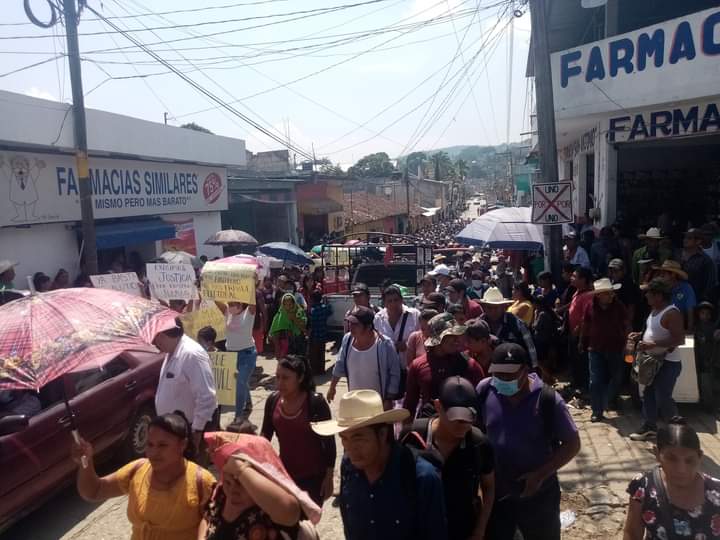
(504, 228)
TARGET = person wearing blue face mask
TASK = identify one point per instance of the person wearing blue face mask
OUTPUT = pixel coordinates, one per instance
(533, 436)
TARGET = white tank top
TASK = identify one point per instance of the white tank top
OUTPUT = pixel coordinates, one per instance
(655, 332)
(238, 330)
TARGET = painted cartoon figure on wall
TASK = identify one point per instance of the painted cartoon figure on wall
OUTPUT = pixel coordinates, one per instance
(22, 178)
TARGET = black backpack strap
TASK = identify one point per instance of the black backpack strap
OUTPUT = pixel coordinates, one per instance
(403, 323)
(483, 392)
(546, 410)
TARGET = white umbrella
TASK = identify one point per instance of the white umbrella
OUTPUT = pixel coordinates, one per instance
(504, 228)
(180, 257)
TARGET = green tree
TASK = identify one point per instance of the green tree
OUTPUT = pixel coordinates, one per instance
(328, 167)
(415, 160)
(196, 127)
(442, 166)
(372, 165)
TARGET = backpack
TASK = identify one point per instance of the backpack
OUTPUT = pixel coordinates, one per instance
(545, 408)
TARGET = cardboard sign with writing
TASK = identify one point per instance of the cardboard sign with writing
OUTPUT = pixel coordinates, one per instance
(223, 366)
(223, 282)
(126, 282)
(207, 314)
(172, 281)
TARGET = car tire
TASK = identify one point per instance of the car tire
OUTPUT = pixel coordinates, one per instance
(134, 443)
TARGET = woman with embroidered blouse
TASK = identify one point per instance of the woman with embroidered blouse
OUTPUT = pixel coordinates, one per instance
(675, 499)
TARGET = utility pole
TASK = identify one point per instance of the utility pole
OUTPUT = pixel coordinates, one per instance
(165, 117)
(80, 129)
(407, 195)
(546, 124)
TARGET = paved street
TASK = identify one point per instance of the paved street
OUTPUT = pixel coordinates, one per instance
(593, 484)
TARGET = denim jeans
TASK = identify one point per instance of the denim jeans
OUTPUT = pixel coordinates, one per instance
(657, 397)
(246, 360)
(606, 372)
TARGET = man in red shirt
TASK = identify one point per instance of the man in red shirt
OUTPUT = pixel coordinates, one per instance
(444, 358)
(583, 297)
(457, 294)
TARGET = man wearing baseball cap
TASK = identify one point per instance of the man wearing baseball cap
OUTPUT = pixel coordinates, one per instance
(533, 436)
(385, 490)
(366, 358)
(466, 457)
(444, 358)
(427, 285)
(457, 294)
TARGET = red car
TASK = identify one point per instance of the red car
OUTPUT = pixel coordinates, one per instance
(112, 407)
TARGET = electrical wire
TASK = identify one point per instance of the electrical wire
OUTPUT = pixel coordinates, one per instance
(177, 11)
(30, 66)
(303, 14)
(200, 88)
(425, 122)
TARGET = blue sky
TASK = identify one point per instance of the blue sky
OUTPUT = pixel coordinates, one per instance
(373, 93)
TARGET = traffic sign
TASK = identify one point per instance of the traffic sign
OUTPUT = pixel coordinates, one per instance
(552, 203)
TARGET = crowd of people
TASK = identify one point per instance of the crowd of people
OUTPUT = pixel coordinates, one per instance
(451, 424)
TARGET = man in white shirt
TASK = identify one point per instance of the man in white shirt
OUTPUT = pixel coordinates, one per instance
(396, 322)
(186, 380)
(367, 359)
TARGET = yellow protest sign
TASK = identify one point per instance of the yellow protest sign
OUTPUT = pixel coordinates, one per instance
(224, 282)
(207, 314)
(224, 366)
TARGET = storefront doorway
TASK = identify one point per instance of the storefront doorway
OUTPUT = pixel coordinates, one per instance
(679, 178)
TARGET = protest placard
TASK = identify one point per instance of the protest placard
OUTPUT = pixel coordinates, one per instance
(126, 282)
(207, 314)
(224, 282)
(223, 366)
(172, 281)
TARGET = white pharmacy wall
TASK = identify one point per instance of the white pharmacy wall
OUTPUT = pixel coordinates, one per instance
(40, 248)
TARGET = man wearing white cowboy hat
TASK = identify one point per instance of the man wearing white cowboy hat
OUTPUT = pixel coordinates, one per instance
(506, 327)
(605, 326)
(652, 250)
(683, 294)
(442, 273)
(385, 491)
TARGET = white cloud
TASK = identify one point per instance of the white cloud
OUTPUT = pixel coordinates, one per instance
(36, 92)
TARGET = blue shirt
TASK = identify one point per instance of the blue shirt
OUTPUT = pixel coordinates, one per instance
(318, 321)
(683, 296)
(385, 509)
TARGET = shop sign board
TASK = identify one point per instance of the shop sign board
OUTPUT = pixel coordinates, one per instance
(172, 281)
(552, 203)
(655, 64)
(224, 282)
(126, 282)
(223, 365)
(663, 122)
(44, 188)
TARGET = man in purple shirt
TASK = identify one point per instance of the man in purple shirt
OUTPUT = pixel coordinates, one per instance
(533, 436)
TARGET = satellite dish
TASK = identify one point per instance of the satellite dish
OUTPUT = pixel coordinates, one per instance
(590, 4)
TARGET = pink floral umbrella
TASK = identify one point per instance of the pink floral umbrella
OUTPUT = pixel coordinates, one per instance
(49, 334)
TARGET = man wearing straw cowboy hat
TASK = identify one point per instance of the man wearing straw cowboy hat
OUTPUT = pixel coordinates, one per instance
(385, 491)
(651, 251)
(506, 326)
(682, 293)
(605, 325)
